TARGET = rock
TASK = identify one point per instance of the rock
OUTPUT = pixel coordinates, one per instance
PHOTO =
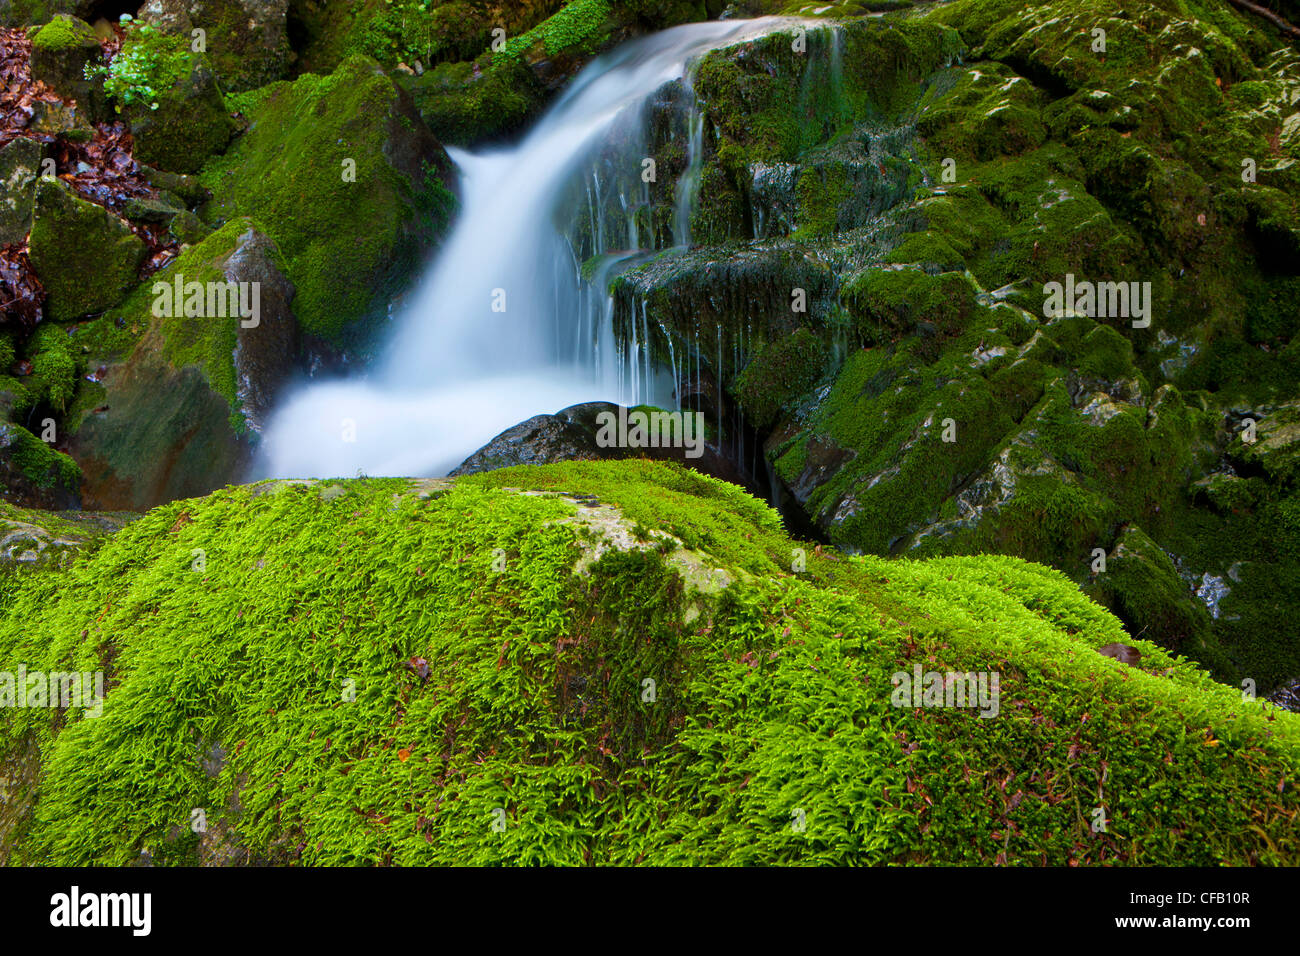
(86, 257)
(348, 182)
(61, 51)
(34, 475)
(61, 120)
(189, 125)
(265, 355)
(1276, 449)
(188, 188)
(247, 40)
(574, 434)
(1124, 653)
(20, 166)
(188, 229)
(181, 412)
(32, 539)
(151, 210)
(568, 435)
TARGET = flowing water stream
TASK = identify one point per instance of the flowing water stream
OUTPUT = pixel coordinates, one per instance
(504, 326)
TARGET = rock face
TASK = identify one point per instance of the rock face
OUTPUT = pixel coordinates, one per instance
(868, 280)
(533, 599)
(86, 257)
(20, 166)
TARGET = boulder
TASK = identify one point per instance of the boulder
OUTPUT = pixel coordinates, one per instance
(350, 185)
(20, 166)
(574, 434)
(180, 414)
(246, 39)
(61, 51)
(190, 122)
(86, 257)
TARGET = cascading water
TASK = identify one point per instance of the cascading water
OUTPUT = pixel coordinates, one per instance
(504, 326)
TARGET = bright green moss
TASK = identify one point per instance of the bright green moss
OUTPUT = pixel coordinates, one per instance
(578, 27)
(284, 665)
(63, 33)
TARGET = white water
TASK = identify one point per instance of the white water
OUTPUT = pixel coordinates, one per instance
(458, 371)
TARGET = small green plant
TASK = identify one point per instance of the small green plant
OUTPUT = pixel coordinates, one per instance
(148, 62)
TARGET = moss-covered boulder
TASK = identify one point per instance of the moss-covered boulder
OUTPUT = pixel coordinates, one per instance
(348, 182)
(33, 474)
(247, 40)
(20, 167)
(61, 52)
(179, 414)
(181, 119)
(569, 665)
(87, 258)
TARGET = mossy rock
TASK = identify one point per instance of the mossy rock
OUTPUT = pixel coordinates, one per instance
(533, 605)
(61, 52)
(247, 41)
(33, 474)
(20, 167)
(187, 123)
(178, 417)
(87, 258)
(465, 107)
(348, 182)
(1142, 586)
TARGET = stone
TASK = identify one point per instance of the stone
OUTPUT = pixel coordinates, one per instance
(86, 257)
(20, 163)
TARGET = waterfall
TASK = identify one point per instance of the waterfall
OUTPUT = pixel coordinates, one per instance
(503, 325)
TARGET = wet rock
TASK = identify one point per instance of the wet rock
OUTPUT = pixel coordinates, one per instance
(86, 257)
(180, 413)
(265, 354)
(574, 434)
(20, 163)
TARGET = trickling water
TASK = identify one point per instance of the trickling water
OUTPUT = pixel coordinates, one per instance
(503, 326)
